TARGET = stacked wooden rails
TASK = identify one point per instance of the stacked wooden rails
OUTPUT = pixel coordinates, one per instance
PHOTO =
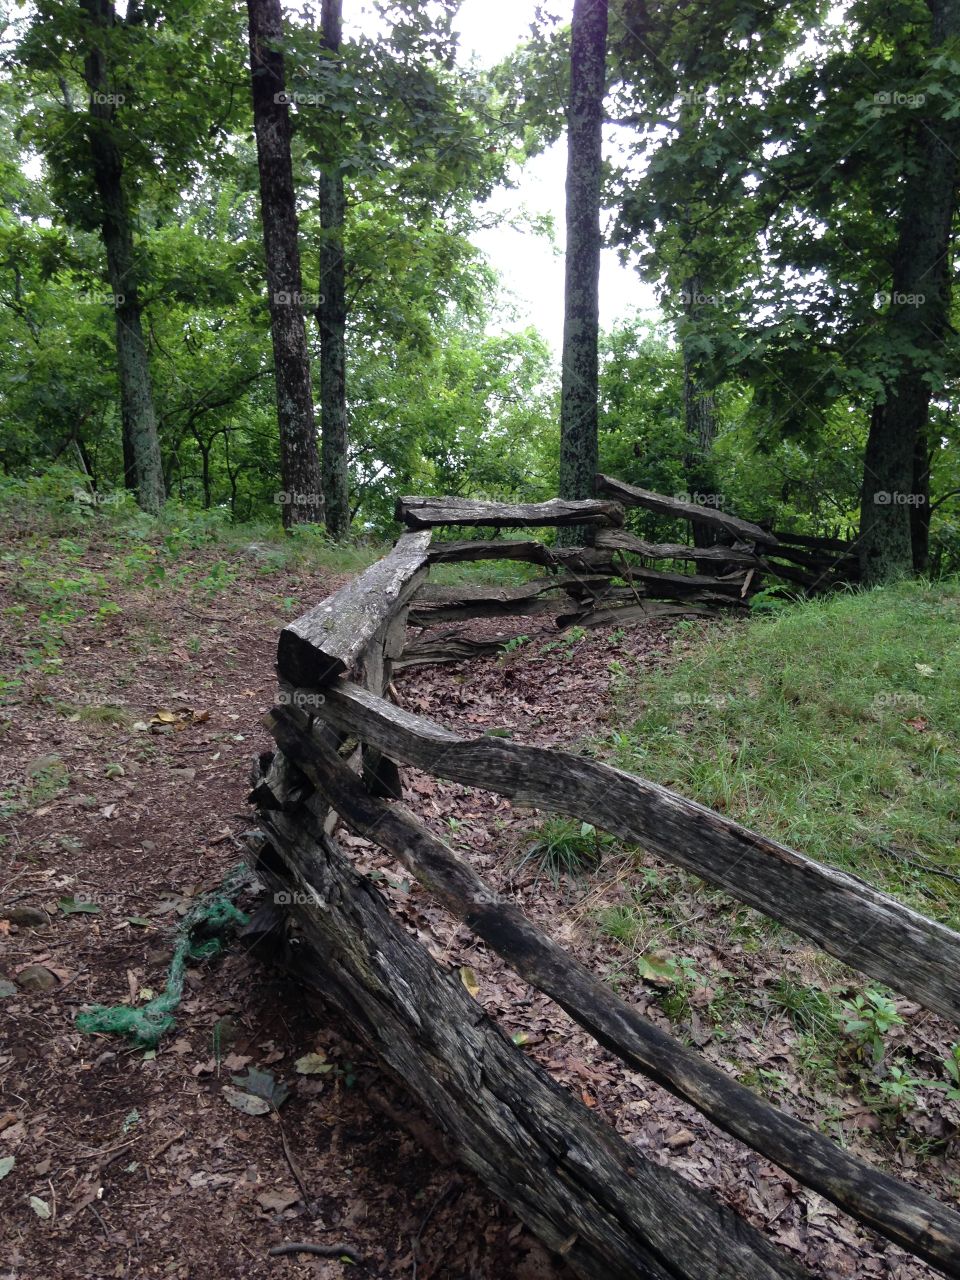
(602, 1204)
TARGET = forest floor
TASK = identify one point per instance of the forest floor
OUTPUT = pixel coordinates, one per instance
(137, 669)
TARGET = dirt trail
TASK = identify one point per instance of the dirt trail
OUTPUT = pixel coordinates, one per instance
(141, 1164)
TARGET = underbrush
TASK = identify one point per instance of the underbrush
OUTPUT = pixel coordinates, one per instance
(834, 726)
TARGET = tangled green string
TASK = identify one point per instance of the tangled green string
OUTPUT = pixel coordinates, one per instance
(204, 933)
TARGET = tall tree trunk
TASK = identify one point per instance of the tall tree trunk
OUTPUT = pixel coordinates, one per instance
(699, 413)
(302, 498)
(142, 465)
(892, 541)
(332, 321)
(581, 312)
(920, 512)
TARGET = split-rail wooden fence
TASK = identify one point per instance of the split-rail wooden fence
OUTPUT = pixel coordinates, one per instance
(609, 1210)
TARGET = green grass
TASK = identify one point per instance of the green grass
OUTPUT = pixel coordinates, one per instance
(832, 725)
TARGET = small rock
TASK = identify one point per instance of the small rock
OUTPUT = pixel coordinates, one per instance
(682, 1138)
(35, 977)
(7, 989)
(25, 917)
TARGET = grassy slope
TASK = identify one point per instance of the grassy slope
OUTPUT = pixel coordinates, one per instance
(833, 725)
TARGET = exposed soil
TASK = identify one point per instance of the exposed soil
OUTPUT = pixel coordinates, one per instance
(130, 1165)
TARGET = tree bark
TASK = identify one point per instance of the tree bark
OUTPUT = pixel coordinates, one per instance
(302, 497)
(332, 320)
(143, 468)
(699, 414)
(581, 318)
(892, 541)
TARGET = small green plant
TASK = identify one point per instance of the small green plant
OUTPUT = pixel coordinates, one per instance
(899, 1090)
(811, 1011)
(622, 923)
(48, 777)
(566, 847)
(218, 578)
(511, 646)
(772, 600)
(566, 644)
(951, 1066)
(869, 1018)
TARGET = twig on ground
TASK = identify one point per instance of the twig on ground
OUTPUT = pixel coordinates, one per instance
(901, 855)
(165, 1146)
(319, 1250)
(310, 1205)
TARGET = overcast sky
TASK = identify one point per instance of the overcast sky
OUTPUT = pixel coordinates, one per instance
(531, 269)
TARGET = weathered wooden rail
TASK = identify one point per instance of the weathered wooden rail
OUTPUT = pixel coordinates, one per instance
(608, 1209)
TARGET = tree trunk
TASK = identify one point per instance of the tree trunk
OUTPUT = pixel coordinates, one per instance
(332, 321)
(699, 413)
(143, 469)
(581, 317)
(891, 541)
(920, 513)
(302, 497)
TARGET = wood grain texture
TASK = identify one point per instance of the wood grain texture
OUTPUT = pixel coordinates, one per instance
(621, 540)
(332, 637)
(427, 513)
(847, 917)
(579, 559)
(902, 1213)
(611, 1212)
(629, 495)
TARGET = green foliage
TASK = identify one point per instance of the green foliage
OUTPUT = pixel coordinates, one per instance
(868, 1018)
(566, 848)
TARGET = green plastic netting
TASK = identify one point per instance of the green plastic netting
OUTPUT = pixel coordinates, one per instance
(203, 933)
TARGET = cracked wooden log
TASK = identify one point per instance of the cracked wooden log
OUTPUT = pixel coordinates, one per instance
(621, 540)
(631, 615)
(662, 585)
(331, 638)
(579, 559)
(433, 604)
(428, 513)
(631, 496)
(610, 1211)
(847, 917)
(450, 648)
(910, 1217)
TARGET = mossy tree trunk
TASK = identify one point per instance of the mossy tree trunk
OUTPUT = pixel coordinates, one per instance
(302, 498)
(581, 320)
